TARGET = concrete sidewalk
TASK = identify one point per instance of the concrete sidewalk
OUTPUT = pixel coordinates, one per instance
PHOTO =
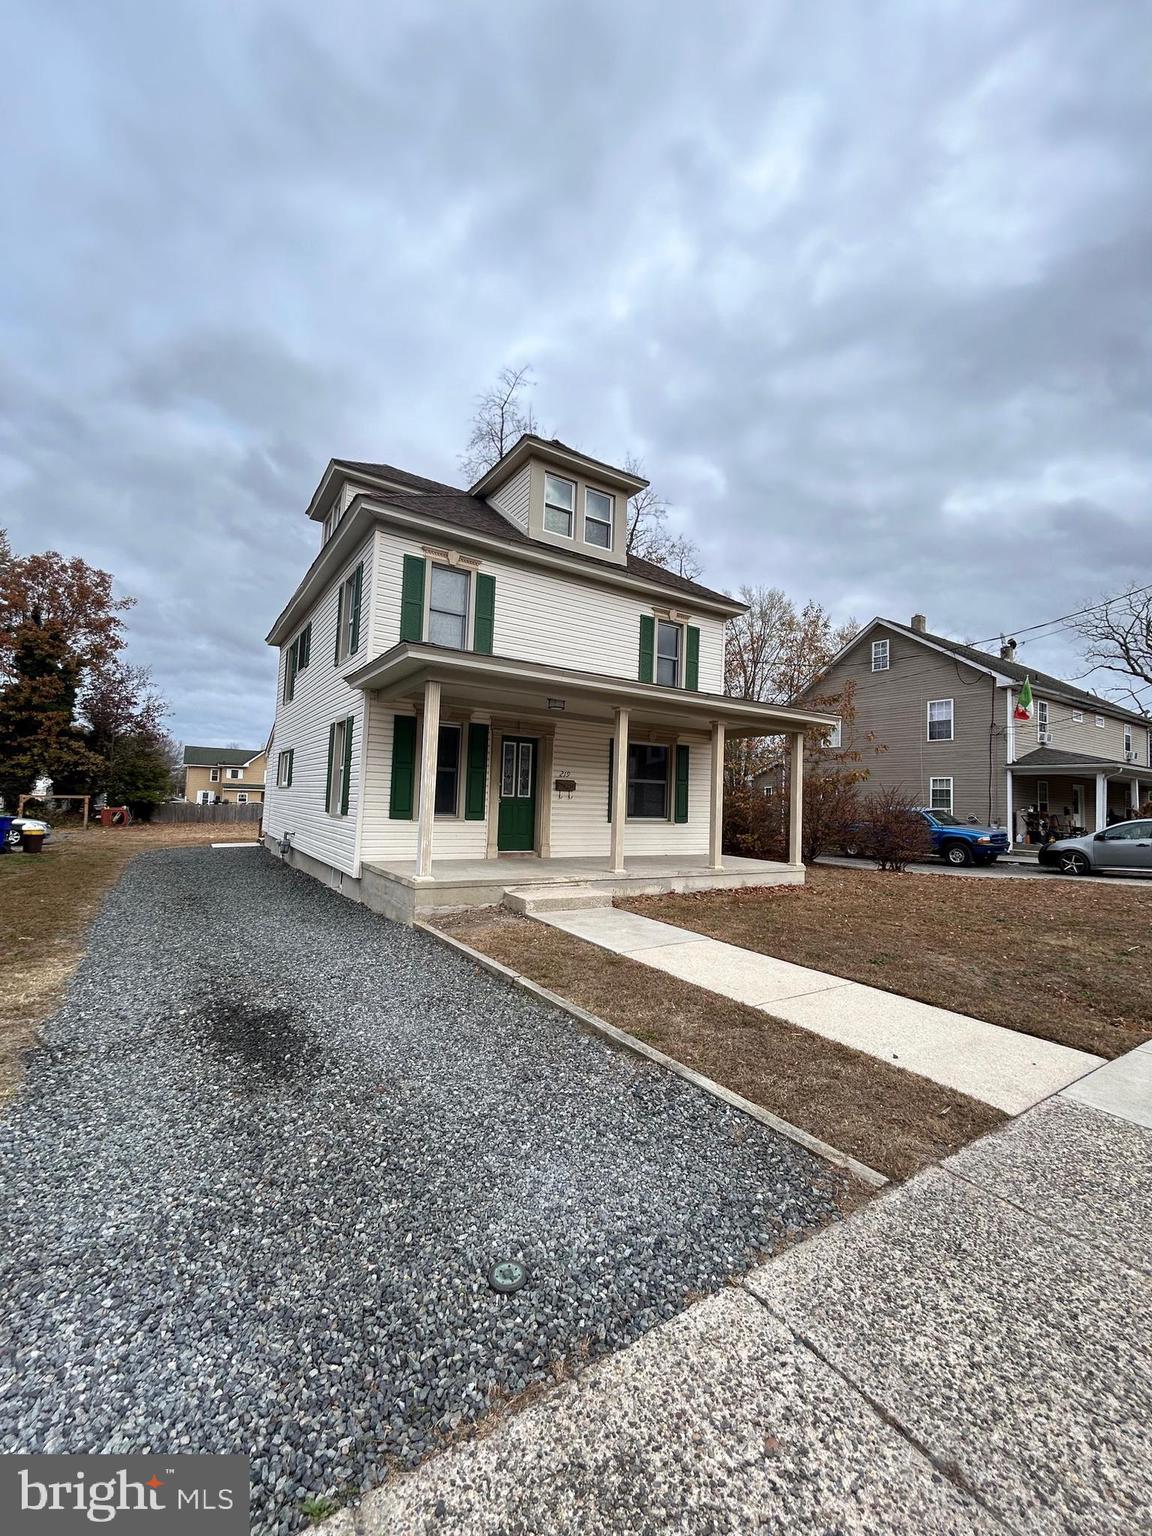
(967, 1354)
(1002, 1067)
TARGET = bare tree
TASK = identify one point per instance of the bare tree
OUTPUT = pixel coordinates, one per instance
(502, 416)
(1118, 639)
(649, 537)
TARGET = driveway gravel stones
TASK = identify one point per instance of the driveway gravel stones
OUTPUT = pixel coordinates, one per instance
(272, 1147)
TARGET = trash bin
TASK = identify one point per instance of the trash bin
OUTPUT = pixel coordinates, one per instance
(5, 828)
(32, 840)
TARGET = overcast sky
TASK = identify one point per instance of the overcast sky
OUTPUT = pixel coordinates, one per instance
(867, 286)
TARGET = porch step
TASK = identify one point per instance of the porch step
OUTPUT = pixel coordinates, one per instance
(528, 899)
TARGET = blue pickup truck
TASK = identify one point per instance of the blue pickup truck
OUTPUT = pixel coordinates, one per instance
(957, 842)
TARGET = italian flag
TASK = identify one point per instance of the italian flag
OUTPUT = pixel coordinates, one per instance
(1023, 710)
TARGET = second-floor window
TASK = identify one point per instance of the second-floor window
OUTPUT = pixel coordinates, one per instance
(348, 615)
(668, 647)
(1041, 714)
(559, 505)
(879, 655)
(214, 775)
(235, 773)
(1127, 741)
(939, 719)
(298, 657)
(448, 607)
(597, 518)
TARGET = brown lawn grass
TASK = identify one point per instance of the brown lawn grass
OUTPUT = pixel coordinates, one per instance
(47, 902)
(890, 1119)
(1065, 961)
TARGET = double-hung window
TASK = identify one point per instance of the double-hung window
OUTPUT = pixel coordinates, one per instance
(669, 643)
(214, 775)
(298, 657)
(1041, 714)
(448, 770)
(1127, 741)
(348, 616)
(940, 794)
(559, 505)
(648, 782)
(284, 769)
(940, 720)
(880, 655)
(833, 735)
(597, 518)
(235, 773)
(339, 767)
(448, 607)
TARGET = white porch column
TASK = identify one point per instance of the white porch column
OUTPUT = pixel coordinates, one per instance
(1101, 802)
(716, 817)
(619, 790)
(429, 740)
(1135, 797)
(796, 800)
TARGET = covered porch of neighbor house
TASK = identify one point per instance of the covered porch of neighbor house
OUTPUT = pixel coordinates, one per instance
(1083, 791)
(487, 774)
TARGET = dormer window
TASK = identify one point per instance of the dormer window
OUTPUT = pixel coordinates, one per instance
(448, 607)
(559, 505)
(597, 518)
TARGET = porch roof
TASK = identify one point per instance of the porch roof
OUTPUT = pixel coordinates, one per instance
(495, 683)
(1057, 760)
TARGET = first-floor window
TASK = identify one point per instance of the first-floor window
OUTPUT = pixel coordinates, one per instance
(241, 798)
(939, 719)
(648, 782)
(204, 797)
(448, 770)
(940, 791)
(832, 736)
(339, 735)
(448, 607)
(284, 769)
(1041, 794)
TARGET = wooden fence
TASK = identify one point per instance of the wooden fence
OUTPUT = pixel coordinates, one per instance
(179, 811)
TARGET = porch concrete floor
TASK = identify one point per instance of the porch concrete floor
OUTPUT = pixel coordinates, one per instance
(526, 869)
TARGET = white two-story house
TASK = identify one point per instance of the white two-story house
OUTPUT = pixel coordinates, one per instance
(481, 689)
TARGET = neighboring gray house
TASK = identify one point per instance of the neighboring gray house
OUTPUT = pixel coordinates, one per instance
(945, 713)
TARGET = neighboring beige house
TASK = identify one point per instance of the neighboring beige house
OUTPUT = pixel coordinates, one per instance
(945, 713)
(482, 689)
(229, 775)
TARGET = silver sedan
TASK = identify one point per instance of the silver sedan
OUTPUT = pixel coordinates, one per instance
(1126, 846)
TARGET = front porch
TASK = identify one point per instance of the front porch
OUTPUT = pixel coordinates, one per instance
(398, 891)
(1082, 792)
(488, 773)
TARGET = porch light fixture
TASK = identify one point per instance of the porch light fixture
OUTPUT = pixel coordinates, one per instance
(555, 703)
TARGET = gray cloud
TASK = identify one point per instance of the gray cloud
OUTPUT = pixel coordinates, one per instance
(868, 288)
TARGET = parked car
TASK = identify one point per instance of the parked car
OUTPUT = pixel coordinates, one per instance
(957, 842)
(1127, 845)
(33, 823)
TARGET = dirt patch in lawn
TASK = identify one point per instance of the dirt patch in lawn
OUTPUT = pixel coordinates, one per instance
(1067, 962)
(47, 901)
(891, 1119)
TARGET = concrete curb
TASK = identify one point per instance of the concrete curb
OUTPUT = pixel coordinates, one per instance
(650, 1053)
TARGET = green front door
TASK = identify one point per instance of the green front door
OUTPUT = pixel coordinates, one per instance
(516, 827)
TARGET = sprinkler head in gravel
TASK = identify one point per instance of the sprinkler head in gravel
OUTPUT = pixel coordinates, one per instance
(507, 1276)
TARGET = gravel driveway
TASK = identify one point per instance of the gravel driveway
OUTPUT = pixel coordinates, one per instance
(270, 1150)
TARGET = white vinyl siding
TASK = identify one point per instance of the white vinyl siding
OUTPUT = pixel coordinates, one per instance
(321, 697)
(549, 617)
(383, 838)
(514, 498)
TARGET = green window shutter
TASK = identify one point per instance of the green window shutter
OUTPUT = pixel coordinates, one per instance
(290, 672)
(339, 621)
(647, 647)
(403, 798)
(357, 594)
(477, 773)
(611, 764)
(485, 613)
(291, 765)
(681, 812)
(412, 599)
(692, 659)
(346, 779)
(328, 776)
(306, 645)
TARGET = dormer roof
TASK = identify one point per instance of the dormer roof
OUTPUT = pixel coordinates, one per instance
(553, 451)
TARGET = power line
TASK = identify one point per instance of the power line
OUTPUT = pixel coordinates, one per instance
(1063, 619)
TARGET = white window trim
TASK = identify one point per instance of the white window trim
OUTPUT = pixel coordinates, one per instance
(461, 771)
(571, 511)
(881, 648)
(1128, 740)
(241, 797)
(609, 523)
(469, 601)
(1043, 801)
(833, 741)
(346, 616)
(681, 659)
(213, 775)
(282, 768)
(669, 786)
(1042, 713)
(951, 736)
(336, 773)
(235, 773)
(1078, 717)
(1101, 722)
(941, 778)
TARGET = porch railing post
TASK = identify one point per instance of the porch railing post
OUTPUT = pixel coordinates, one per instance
(1101, 802)
(716, 804)
(429, 742)
(619, 790)
(796, 800)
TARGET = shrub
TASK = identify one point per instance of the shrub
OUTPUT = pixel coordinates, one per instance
(892, 831)
(831, 812)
